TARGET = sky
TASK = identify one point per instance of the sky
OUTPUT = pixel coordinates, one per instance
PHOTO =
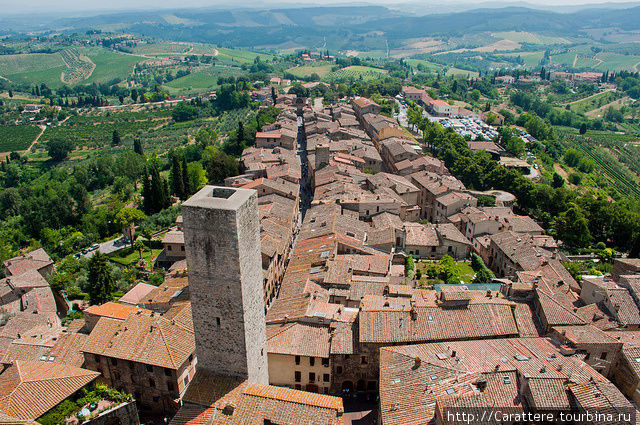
(10, 7)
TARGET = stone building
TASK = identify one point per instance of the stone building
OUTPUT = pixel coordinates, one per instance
(222, 236)
(147, 355)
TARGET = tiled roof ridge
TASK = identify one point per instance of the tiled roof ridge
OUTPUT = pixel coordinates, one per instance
(293, 396)
(80, 372)
(564, 307)
(164, 341)
(282, 330)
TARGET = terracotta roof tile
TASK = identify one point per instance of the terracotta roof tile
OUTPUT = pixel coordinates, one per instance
(29, 389)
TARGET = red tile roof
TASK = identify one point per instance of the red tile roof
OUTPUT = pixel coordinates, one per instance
(29, 389)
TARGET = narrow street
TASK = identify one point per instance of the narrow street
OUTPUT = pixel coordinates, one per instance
(306, 194)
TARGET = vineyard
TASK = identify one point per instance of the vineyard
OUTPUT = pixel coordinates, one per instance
(355, 73)
(17, 137)
(609, 154)
(114, 117)
(173, 135)
(98, 134)
(79, 67)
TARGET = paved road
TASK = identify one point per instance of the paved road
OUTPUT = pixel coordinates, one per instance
(108, 247)
(402, 114)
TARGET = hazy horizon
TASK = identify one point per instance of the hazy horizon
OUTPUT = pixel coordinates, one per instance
(10, 7)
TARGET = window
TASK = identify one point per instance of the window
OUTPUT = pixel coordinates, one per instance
(298, 387)
(167, 372)
(149, 368)
(170, 386)
(297, 359)
(312, 361)
(114, 362)
(152, 383)
(312, 377)
(325, 377)
(339, 370)
(326, 390)
(186, 380)
(218, 322)
(363, 360)
(96, 358)
(168, 247)
(371, 385)
(190, 358)
(181, 247)
(603, 356)
(298, 376)
(325, 362)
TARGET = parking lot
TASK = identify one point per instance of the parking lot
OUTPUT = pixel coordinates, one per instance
(474, 128)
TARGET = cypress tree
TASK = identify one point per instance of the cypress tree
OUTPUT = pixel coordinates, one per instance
(115, 138)
(146, 193)
(240, 135)
(176, 178)
(158, 192)
(137, 146)
(185, 179)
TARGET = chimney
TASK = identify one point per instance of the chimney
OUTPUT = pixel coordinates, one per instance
(417, 362)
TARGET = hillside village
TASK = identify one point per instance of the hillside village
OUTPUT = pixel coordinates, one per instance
(341, 209)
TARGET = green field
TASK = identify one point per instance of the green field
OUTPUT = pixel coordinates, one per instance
(161, 48)
(17, 137)
(239, 56)
(195, 81)
(527, 37)
(51, 77)
(617, 62)
(565, 59)
(47, 68)
(463, 72)
(433, 67)
(593, 102)
(585, 62)
(364, 73)
(15, 64)
(110, 65)
(204, 80)
(307, 70)
(531, 59)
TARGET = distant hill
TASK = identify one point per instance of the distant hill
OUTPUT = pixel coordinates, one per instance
(343, 26)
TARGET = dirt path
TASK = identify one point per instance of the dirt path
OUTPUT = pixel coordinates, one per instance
(598, 112)
(635, 67)
(588, 97)
(575, 60)
(42, 129)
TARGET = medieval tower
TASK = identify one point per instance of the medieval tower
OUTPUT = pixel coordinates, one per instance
(222, 244)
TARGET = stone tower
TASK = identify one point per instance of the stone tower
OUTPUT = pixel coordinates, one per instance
(322, 156)
(222, 244)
